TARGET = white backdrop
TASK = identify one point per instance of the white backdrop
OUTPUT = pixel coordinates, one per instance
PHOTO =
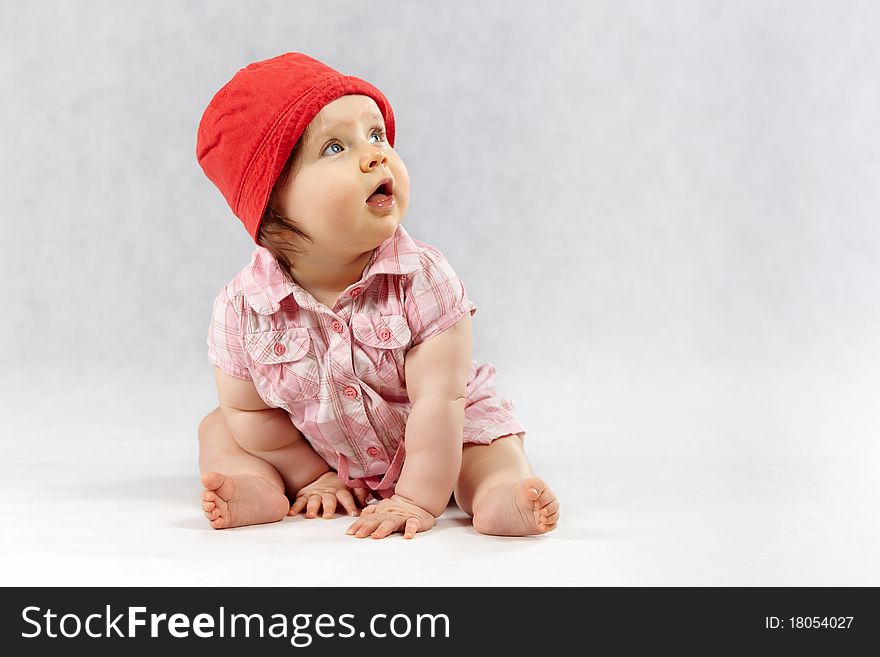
(665, 213)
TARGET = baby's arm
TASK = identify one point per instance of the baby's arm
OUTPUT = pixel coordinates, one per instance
(267, 432)
(436, 382)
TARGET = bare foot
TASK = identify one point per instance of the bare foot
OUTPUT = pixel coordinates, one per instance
(520, 508)
(236, 500)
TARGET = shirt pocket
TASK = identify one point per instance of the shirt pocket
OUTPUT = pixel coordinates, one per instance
(284, 369)
(383, 341)
(381, 331)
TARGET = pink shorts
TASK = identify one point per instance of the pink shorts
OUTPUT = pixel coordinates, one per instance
(486, 418)
(486, 415)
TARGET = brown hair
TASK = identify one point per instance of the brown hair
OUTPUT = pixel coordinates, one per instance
(276, 231)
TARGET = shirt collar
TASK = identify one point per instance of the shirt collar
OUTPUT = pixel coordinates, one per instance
(265, 285)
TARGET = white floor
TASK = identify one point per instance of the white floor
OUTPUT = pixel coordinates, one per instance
(719, 480)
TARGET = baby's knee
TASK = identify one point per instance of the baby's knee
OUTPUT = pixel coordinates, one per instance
(210, 423)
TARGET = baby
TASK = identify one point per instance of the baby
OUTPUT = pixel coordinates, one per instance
(342, 351)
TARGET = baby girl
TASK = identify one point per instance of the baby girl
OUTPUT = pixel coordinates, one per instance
(342, 351)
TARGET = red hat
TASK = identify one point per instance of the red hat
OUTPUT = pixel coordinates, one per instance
(251, 125)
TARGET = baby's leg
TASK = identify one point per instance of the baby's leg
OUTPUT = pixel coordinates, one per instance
(240, 489)
(497, 487)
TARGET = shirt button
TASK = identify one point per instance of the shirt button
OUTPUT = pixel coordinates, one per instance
(355, 292)
(372, 451)
(384, 334)
(279, 349)
(350, 392)
(337, 326)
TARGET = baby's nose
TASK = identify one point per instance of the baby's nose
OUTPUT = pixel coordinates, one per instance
(372, 159)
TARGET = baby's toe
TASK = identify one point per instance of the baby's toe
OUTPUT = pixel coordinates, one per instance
(545, 498)
(215, 508)
(212, 480)
(537, 494)
(544, 528)
(551, 507)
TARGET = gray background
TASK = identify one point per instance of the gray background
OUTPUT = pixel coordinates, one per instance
(666, 214)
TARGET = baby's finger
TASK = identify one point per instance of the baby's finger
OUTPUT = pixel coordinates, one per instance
(412, 527)
(386, 528)
(347, 501)
(329, 500)
(298, 505)
(365, 515)
(313, 505)
(369, 526)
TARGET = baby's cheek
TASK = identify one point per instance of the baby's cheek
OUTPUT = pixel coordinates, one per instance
(338, 204)
(401, 183)
(337, 210)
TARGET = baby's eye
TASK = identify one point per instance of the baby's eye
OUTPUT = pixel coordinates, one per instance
(376, 131)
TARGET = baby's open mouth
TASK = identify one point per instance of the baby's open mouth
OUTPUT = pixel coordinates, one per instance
(383, 192)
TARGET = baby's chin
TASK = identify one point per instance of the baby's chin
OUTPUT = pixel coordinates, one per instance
(387, 224)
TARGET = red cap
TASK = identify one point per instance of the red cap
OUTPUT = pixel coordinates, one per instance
(252, 123)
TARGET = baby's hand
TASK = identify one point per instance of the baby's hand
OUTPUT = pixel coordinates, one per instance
(391, 515)
(325, 491)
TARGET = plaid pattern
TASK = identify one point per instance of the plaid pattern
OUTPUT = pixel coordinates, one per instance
(339, 372)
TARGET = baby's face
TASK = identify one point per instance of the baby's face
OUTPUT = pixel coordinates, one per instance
(344, 156)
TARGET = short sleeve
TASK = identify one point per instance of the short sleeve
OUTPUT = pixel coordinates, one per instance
(225, 349)
(435, 298)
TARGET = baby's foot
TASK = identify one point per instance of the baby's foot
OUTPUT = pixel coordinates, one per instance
(520, 508)
(235, 500)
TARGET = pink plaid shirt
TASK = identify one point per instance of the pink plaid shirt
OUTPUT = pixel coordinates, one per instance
(339, 372)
